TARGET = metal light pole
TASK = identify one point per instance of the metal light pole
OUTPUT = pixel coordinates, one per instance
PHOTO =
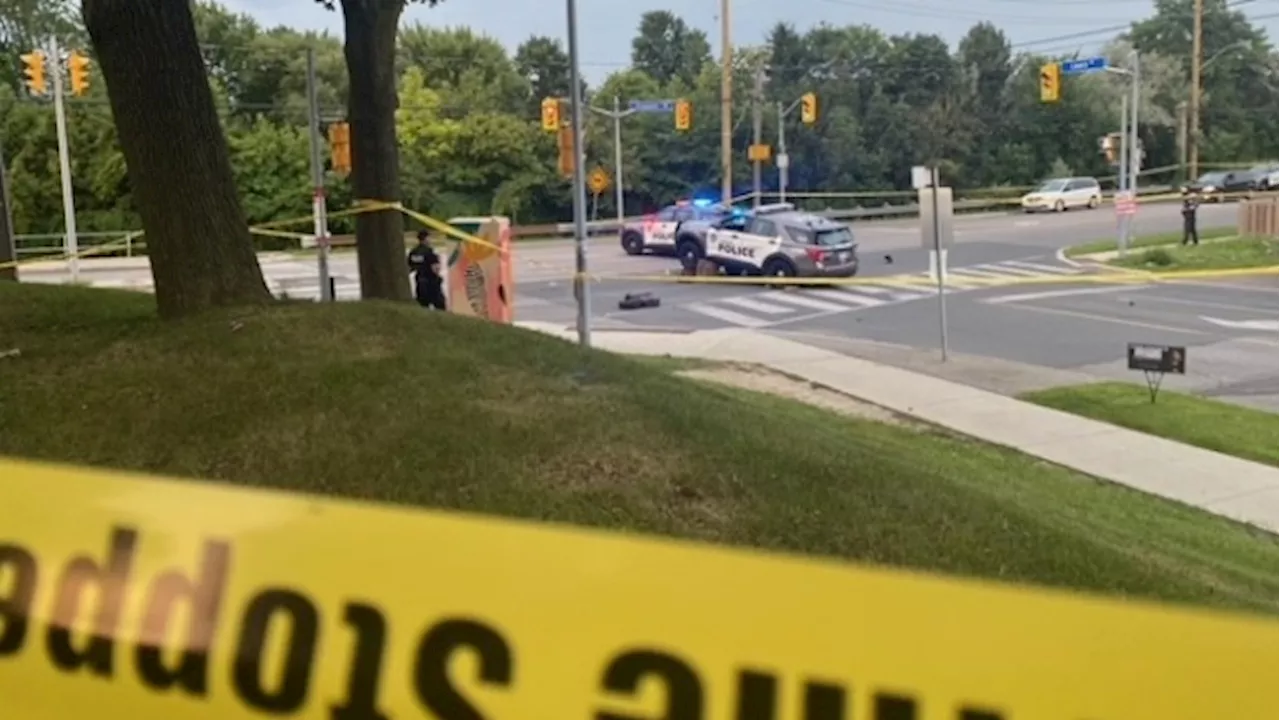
(319, 206)
(1135, 146)
(579, 183)
(71, 243)
(784, 160)
(726, 104)
(942, 273)
(616, 115)
(757, 132)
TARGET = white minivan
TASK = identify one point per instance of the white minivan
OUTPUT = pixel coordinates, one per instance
(1062, 194)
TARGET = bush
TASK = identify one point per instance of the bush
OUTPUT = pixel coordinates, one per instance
(1157, 256)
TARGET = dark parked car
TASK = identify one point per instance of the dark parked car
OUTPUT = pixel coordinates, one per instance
(1215, 186)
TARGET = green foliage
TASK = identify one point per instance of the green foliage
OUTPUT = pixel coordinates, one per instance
(469, 131)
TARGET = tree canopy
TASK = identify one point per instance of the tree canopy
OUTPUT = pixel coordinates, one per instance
(467, 124)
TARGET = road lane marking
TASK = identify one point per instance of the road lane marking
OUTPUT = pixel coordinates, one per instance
(1107, 319)
(1199, 303)
(1047, 294)
(1268, 325)
(723, 315)
(758, 306)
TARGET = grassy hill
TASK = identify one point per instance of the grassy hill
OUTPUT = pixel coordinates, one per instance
(391, 403)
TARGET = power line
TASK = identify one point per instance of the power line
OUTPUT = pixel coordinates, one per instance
(921, 11)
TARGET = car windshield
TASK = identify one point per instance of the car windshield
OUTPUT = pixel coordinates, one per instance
(1052, 186)
(833, 237)
(1212, 178)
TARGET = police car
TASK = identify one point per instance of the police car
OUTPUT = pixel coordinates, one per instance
(774, 241)
(658, 232)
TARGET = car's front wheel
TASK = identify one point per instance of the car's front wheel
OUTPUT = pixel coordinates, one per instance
(632, 242)
(1059, 206)
(689, 253)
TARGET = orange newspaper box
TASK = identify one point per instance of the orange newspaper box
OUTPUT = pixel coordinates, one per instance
(479, 279)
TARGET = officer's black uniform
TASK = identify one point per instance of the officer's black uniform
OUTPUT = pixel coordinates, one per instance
(1190, 234)
(428, 287)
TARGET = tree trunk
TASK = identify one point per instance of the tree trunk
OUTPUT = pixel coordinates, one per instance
(375, 153)
(202, 255)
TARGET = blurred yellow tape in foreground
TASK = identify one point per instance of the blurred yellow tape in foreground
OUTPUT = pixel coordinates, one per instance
(124, 597)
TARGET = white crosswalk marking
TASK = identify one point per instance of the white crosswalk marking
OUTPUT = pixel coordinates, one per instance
(777, 306)
(729, 316)
(1054, 269)
(796, 298)
(758, 306)
(1005, 269)
(849, 296)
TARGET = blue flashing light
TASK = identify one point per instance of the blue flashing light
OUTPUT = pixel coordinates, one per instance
(701, 202)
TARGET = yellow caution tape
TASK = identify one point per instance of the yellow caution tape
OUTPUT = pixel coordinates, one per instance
(86, 253)
(164, 600)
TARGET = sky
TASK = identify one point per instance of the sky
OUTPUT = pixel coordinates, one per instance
(606, 27)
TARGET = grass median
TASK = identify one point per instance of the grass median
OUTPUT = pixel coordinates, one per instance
(1220, 254)
(1240, 431)
(387, 402)
(1108, 245)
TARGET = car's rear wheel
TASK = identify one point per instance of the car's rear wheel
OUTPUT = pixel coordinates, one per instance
(1094, 202)
(1059, 206)
(632, 242)
(778, 268)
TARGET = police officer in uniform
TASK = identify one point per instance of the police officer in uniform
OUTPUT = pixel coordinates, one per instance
(1190, 203)
(424, 263)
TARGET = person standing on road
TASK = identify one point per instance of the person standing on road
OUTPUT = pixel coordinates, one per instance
(424, 263)
(1190, 203)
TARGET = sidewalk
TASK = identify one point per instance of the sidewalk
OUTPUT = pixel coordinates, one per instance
(1238, 489)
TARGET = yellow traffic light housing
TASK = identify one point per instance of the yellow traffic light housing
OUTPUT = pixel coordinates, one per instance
(340, 147)
(34, 70)
(809, 108)
(551, 114)
(684, 115)
(1050, 82)
(78, 69)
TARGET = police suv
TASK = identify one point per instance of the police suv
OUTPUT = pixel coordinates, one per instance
(773, 241)
(657, 233)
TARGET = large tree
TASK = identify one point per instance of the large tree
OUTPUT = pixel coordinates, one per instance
(370, 28)
(202, 255)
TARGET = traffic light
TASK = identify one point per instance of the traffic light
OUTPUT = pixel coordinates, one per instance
(551, 114)
(684, 115)
(78, 69)
(809, 108)
(34, 70)
(567, 154)
(1050, 82)
(340, 146)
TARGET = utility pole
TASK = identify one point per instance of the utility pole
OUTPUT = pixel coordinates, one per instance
(757, 132)
(1182, 141)
(1197, 50)
(579, 184)
(71, 244)
(616, 115)
(726, 104)
(319, 206)
(8, 249)
(1135, 144)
